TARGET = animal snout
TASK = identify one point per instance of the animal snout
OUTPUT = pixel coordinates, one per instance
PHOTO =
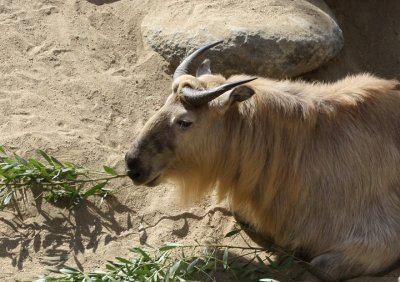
(133, 167)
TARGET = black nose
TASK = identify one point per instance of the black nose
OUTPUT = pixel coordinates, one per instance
(133, 167)
(133, 174)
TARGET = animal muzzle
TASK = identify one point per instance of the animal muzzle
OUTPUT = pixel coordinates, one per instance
(140, 173)
(135, 169)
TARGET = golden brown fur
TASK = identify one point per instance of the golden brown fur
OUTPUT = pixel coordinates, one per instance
(314, 166)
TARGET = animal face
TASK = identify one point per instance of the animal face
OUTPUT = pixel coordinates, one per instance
(169, 133)
(175, 137)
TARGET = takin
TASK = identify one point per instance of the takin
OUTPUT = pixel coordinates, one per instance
(315, 167)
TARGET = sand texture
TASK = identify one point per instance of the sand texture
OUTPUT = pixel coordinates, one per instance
(77, 81)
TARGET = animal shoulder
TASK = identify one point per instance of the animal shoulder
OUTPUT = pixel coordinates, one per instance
(350, 90)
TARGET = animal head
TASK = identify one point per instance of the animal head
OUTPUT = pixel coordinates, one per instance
(183, 135)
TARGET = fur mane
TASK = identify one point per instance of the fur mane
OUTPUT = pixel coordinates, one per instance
(265, 142)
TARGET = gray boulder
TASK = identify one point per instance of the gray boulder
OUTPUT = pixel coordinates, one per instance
(275, 38)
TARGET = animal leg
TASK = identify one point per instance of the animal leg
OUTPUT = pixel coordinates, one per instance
(335, 266)
(260, 239)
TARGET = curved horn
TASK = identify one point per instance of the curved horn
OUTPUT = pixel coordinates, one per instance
(200, 97)
(184, 66)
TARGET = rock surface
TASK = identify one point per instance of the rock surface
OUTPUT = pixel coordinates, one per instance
(276, 38)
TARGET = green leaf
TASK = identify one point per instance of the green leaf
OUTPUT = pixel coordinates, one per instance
(168, 247)
(7, 167)
(110, 267)
(225, 258)
(67, 169)
(2, 151)
(232, 233)
(70, 165)
(166, 277)
(174, 268)
(45, 156)
(110, 170)
(191, 266)
(35, 163)
(68, 270)
(271, 262)
(100, 272)
(123, 260)
(53, 269)
(260, 261)
(44, 172)
(141, 252)
(7, 199)
(287, 263)
(20, 160)
(94, 189)
(55, 161)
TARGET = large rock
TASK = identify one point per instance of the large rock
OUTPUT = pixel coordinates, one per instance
(276, 38)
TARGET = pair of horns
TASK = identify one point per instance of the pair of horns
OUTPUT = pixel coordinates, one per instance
(200, 97)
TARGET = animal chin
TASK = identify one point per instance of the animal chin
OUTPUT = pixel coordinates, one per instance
(154, 182)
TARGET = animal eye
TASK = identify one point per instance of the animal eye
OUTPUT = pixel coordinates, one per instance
(184, 123)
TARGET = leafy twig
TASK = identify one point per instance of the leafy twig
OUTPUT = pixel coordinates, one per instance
(164, 265)
(57, 180)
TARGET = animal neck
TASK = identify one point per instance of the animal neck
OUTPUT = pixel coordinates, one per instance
(261, 156)
(200, 165)
(251, 155)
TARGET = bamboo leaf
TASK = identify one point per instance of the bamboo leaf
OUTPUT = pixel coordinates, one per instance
(20, 160)
(7, 199)
(232, 233)
(7, 167)
(174, 268)
(141, 252)
(45, 156)
(260, 261)
(191, 266)
(123, 260)
(225, 258)
(55, 161)
(94, 189)
(110, 267)
(110, 170)
(168, 246)
(35, 163)
(69, 270)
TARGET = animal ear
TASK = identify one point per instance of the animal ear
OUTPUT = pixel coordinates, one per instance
(237, 95)
(240, 94)
(204, 68)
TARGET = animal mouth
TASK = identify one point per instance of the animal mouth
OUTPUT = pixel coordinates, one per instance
(153, 182)
(141, 179)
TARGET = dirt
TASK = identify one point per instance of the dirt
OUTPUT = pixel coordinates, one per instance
(77, 82)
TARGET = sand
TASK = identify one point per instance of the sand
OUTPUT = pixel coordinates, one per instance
(77, 82)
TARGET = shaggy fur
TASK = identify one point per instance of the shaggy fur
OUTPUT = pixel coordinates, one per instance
(314, 166)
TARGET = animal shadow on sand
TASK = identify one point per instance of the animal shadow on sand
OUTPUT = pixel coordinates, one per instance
(60, 234)
(243, 264)
(179, 232)
(102, 2)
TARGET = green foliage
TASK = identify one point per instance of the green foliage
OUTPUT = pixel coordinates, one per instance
(169, 263)
(56, 180)
(145, 266)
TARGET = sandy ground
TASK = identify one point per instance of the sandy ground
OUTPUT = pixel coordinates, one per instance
(77, 81)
